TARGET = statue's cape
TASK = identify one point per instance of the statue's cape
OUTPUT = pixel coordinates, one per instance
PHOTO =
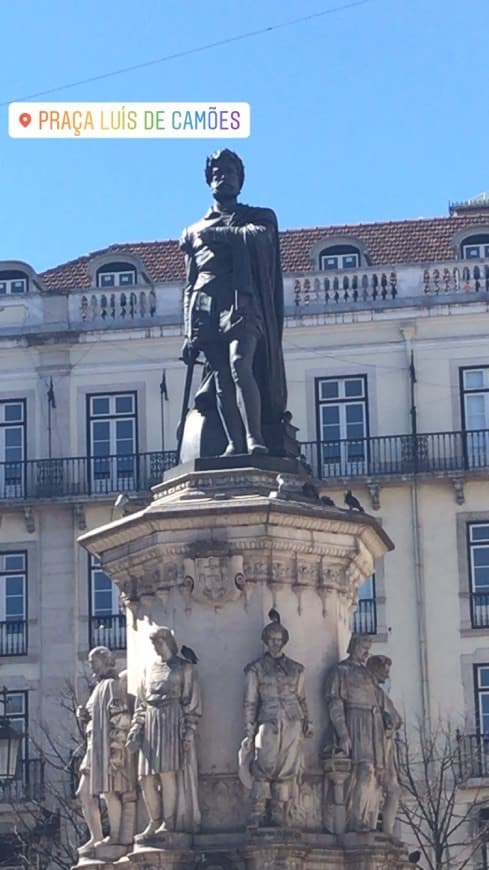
(263, 252)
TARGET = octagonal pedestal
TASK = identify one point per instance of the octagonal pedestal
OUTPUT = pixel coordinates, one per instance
(216, 549)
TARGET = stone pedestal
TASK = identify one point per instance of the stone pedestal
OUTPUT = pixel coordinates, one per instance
(219, 546)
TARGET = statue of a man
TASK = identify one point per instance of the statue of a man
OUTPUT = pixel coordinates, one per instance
(233, 311)
(107, 770)
(379, 667)
(356, 732)
(276, 721)
(168, 710)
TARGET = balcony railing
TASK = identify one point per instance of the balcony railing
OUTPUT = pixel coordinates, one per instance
(372, 286)
(386, 455)
(83, 475)
(13, 638)
(365, 617)
(330, 289)
(29, 784)
(473, 755)
(108, 631)
(479, 608)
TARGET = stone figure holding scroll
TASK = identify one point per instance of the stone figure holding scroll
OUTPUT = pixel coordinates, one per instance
(276, 722)
(107, 769)
(379, 667)
(233, 314)
(167, 714)
(356, 732)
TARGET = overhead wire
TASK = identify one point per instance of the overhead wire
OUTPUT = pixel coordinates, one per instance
(190, 51)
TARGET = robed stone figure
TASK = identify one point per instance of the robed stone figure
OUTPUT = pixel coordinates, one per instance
(355, 732)
(233, 315)
(107, 769)
(276, 722)
(167, 714)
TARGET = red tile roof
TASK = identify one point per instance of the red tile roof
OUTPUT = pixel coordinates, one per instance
(386, 243)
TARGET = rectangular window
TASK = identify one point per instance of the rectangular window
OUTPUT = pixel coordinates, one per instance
(16, 713)
(12, 448)
(13, 286)
(365, 616)
(475, 252)
(116, 279)
(475, 414)
(478, 544)
(112, 442)
(15, 710)
(13, 604)
(107, 618)
(339, 261)
(342, 425)
(482, 697)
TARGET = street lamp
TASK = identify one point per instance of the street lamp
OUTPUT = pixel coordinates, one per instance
(10, 741)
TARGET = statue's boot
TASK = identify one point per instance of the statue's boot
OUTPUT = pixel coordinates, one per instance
(128, 823)
(89, 846)
(277, 812)
(149, 831)
(255, 446)
(257, 814)
(166, 826)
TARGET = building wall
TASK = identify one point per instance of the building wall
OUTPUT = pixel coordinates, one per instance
(422, 589)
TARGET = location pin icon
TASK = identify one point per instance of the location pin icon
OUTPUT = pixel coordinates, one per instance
(25, 119)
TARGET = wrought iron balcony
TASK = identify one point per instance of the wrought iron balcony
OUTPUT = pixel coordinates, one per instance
(380, 456)
(108, 631)
(394, 455)
(473, 755)
(28, 785)
(13, 638)
(479, 609)
(365, 617)
(83, 476)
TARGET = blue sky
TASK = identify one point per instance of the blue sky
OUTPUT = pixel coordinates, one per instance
(376, 112)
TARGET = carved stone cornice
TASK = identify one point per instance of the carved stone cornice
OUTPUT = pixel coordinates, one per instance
(214, 552)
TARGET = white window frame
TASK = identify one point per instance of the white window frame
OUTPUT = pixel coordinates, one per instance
(479, 600)
(7, 286)
(482, 251)
(117, 276)
(106, 629)
(340, 262)
(12, 470)
(476, 438)
(95, 569)
(118, 473)
(21, 720)
(366, 592)
(347, 457)
(480, 692)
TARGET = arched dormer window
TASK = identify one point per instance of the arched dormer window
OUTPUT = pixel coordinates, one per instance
(116, 274)
(13, 282)
(475, 247)
(339, 257)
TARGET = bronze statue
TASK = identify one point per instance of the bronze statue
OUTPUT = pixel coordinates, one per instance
(233, 315)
